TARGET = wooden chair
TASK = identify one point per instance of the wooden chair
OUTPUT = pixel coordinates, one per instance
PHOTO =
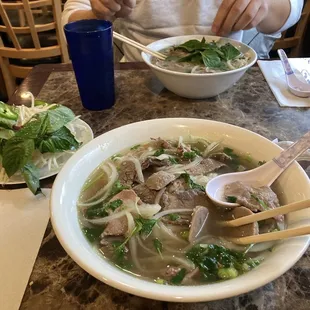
(294, 42)
(9, 54)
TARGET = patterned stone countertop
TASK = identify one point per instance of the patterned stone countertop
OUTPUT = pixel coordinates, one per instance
(57, 282)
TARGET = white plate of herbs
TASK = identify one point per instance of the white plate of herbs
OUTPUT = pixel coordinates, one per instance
(36, 141)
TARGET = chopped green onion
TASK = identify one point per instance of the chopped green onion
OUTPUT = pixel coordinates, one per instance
(227, 273)
(261, 202)
(160, 281)
(184, 234)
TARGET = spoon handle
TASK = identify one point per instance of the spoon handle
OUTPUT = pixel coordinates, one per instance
(286, 65)
(296, 149)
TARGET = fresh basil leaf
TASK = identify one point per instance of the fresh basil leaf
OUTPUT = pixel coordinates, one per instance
(192, 45)
(229, 51)
(34, 128)
(17, 152)
(211, 59)
(178, 278)
(58, 117)
(31, 176)
(6, 134)
(193, 57)
(58, 141)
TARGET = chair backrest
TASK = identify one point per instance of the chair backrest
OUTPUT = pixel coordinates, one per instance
(28, 26)
(294, 43)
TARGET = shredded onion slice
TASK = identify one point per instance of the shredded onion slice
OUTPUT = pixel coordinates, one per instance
(164, 213)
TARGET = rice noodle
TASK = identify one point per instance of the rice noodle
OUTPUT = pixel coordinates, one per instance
(104, 220)
(164, 213)
(179, 169)
(106, 189)
(133, 242)
(159, 195)
(170, 233)
(145, 248)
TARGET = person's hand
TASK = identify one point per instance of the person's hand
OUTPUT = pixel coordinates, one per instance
(108, 9)
(234, 15)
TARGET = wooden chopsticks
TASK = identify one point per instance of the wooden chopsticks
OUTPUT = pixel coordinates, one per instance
(272, 236)
(138, 45)
(295, 206)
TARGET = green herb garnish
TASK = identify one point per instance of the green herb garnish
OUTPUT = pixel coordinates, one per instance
(191, 183)
(147, 226)
(158, 246)
(178, 278)
(135, 147)
(231, 199)
(92, 234)
(174, 160)
(102, 210)
(159, 152)
(189, 155)
(210, 54)
(260, 201)
(216, 262)
(173, 217)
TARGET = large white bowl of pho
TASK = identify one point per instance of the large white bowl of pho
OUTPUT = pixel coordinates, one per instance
(130, 208)
(200, 66)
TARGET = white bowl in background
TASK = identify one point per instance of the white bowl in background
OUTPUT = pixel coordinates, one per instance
(197, 86)
(293, 185)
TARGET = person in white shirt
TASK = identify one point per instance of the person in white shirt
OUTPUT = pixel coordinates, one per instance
(149, 20)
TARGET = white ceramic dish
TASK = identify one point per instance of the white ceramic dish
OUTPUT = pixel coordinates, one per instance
(293, 185)
(197, 86)
(84, 134)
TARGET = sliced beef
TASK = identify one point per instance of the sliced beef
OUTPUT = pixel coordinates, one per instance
(126, 194)
(116, 227)
(199, 218)
(127, 172)
(154, 162)
(170, 272)
(159, 180)
(119, 226)
(206, 166)
(145, 194)
(268, 225)
(240, 231)
(184, 199)
(177, 185)
(254, 198)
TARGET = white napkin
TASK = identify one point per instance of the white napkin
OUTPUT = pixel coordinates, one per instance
(275, 77)
(23, 220)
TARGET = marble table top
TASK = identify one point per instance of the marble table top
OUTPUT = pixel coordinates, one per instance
(57, 282)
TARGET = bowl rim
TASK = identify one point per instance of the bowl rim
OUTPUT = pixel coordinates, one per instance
(148, 289)
(147, 60)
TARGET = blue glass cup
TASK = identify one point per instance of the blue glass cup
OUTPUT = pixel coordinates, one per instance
(90, 44)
